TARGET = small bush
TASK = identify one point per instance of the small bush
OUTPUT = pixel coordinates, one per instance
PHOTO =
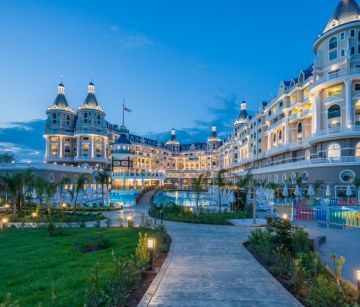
(54, 231)
(96, 295)
(92, 243)
(325, 292)
(142, 253)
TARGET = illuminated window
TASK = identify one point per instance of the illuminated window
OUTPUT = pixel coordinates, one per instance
(306, 92)
(357, 114)
(293, 98)
(53, 150)
(334, 151)
(333, 49)
(357, 150)
(336, 90)
(299, 131)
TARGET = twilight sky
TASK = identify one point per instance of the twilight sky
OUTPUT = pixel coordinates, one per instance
(181, 64)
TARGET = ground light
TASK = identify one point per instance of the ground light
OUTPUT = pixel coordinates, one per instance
(358, 283)
(130, 221)
(34, 214)
(64, 205)
(7, 206)
(151, 243)
(285, 217)
(4, 222)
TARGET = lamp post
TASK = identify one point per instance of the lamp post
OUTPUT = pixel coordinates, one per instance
(34, 214)
(4, 222)
(130, 221)
(151, 244)
(358, 283)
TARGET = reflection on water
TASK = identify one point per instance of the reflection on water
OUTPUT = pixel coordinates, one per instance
(126, 198)
(187, 199)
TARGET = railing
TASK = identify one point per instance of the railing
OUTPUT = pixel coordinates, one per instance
(335, 131)
(278, 123)
(44, 166)
(138, 174)
(335, 75)
(299, 115)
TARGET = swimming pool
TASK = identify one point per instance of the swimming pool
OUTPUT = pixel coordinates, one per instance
(126, 198)
(183, 198)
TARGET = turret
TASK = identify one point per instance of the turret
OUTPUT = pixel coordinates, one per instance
(173, 140)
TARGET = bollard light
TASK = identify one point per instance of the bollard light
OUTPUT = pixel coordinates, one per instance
(151, 242)
(358, 283)
(34, 214)
(285, 217)
(129, 218)
(7, 206)
(4, 220)
(63, 205)
(191, 210)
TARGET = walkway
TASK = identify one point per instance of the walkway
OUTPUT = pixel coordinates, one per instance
(341, 242)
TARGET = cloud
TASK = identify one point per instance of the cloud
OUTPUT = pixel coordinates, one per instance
(222, 114)
(136, 40)
(114, 28)
(24, 139)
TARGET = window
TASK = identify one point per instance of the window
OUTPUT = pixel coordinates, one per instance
(342, 53)
(347, 176)
(306, 92)
(284, 178)
(352, 50)
(335, 90)
(357, 113)
(334, 111)
(334, 151)
(333, 49)
(357, 150)
(352, 33)
(280, 135)
(299, 131)
(357, 87)
(342, 36)
(293, 98)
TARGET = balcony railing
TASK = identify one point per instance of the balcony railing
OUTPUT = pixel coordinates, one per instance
(337, 131)
(278, 123)
(116, 175)
(335, 75)
(299, 115)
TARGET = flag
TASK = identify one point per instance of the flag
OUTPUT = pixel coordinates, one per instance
(127, 109)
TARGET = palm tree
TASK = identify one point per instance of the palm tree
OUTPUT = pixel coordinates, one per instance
(357, 186)
(317, 185)
(64, 182)
(13, 186)
(27, 178)
(79, 186)
(197, 186)
(220, 182)
(102, 177)
(273, 186)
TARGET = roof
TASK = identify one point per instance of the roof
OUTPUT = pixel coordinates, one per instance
(90, 101)
(122, 139)
(60, 102)
(346, 11)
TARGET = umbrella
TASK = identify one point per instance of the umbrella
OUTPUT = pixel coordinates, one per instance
(328, 191)
(33, 194)
(297, 191)
(349, 191)
(43, 197)
(232, 197)
(311, 191)
(57, 197)
(286, 191)
(89, 193)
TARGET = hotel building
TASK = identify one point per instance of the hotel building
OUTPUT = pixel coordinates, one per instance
(310, 129)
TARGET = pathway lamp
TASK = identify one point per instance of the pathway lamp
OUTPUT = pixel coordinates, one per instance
(63, 205)
(285, 217)
(7, 206)
(130, 221)
(358, 283)
(34, 214)
(4, 222)
(151, 244)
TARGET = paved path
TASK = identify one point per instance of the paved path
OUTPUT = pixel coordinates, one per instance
(342, 242)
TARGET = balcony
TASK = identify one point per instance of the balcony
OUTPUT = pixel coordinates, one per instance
(298, 116)
(139, 175)
(335, 133)
(274, 125)
(336, 75)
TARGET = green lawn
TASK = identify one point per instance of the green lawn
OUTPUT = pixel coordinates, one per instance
(36, 268)
(182, 214)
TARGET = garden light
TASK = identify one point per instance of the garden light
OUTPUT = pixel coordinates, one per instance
(358, 283)
(7, 206)
(4, 220)
(285, 217)
(151, 242)
(34, 214)
(64, 205)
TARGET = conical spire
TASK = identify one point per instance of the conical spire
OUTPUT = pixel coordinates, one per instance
(243, 114)
(214, 136)
(90, 100)
(173, 140)
(346, 11)
(60, 100)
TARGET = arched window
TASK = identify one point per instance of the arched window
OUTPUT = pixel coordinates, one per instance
(307, 154)
(357, 114)
(333, 49)
(357, 150)
(299, 131)
(334, 116)
(280, 135)
(274, 138)
(334, 151)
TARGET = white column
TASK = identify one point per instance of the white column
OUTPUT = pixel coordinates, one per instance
(142, 183)
(61, 139)
(269, 141)
(104, 148)
(46, 148)
(78, 147)
(316, 113)
(92, 144)
(348, 104)
(286, 136)
(134, 183)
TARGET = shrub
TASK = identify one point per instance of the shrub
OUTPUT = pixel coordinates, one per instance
(108, 222)
(9, 302)
(54, 231)
(92, 243)
(300, 241)
(96, 295)
(142, 254)
(325, 292)
(261, 241)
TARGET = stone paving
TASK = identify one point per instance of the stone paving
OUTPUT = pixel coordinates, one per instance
(342, 242)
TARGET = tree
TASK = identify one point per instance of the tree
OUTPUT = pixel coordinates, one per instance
(357, 186)
(7, 157)
(220, 182)
(317, 185)
(102, 177)
(13, 186)
(198, 186)
(64, 181)
(79, 186)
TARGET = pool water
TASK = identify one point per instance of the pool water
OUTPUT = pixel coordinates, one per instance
(186, 199)
(126, 198)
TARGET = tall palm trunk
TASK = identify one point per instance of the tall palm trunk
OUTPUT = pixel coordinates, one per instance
(102, 195)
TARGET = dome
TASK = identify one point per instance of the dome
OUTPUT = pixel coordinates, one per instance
(213, 136)
(173, 140)
(90, 100)
(60, 101)
(243, 116)
(123, 139)
(346, 11)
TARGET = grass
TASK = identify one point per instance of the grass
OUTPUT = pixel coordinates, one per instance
(38, 269)
(61, 217)
(184, 215)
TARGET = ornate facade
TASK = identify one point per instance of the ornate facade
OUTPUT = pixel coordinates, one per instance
(311, 128)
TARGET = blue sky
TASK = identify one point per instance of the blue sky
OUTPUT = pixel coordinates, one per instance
(182, 64)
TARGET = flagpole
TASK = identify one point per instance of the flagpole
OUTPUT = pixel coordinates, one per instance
(123, 119)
